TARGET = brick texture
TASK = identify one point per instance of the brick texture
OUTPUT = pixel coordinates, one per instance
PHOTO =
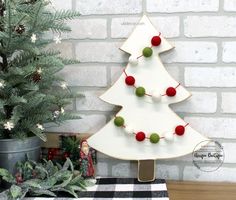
(192, 52)
(169, 6)
(210, 76)
(90, 7)
(220, 26)
(122, 27)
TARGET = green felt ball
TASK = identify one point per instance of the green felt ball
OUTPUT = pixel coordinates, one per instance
(119, 121)
(147, 52)
(140, 91)
(154, 138)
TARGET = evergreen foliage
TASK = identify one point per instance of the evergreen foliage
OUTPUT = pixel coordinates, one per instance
(43, 179)
(30, 91)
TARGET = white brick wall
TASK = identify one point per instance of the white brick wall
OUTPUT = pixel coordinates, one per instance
(220, 26)
(200, 102)
(90, 7)
(214, 127)
(229, 50)
(91, 101)
(170, 6)
(167, 171)
(76, 75)
(229, 148)
(204, 34)
(228, 102)
(222, 174)
(99, 52)
(87, 124)
(210, 76)
(230, 5)
(87, 29)
(122, 27)
(192, 52)
(61, 4)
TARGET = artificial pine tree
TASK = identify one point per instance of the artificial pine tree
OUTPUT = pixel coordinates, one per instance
(145, 129)
(31, 93)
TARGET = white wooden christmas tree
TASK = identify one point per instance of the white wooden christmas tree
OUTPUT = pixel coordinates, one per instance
(145, 129)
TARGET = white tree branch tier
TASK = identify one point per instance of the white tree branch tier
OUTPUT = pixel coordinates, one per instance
(141, 113)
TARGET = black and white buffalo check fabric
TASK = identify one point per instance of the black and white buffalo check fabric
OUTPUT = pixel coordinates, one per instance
(126, 189)
(122, 189)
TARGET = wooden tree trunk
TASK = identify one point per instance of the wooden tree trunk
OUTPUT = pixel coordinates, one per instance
(146, 170)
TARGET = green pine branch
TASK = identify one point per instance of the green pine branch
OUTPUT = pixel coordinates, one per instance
(29, 70)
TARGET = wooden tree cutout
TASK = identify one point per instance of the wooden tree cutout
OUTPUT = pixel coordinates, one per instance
(143, 113)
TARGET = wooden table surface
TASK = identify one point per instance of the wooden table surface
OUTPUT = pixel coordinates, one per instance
(187, 190)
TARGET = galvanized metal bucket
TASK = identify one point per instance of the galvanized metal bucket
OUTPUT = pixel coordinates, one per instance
(14, 150)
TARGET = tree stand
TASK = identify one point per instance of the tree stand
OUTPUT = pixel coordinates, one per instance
(146, 170)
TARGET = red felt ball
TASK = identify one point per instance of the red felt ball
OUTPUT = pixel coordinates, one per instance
(130, 80)
(179, 130)
(156, 41)
(140, 136)
(170, 91)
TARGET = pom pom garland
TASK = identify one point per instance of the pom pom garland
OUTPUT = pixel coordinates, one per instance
(119, 121)
(179, 130)
(147, 52)
(156, 41)
(140, 136)
(156, 96)
(154, 137)
(133, 60)
(169, 137)
(170, 91)
(140, 91)
(130, 80)
(129, 130)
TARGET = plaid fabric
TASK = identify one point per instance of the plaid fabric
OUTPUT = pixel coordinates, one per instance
(123, 189)
(126, 188)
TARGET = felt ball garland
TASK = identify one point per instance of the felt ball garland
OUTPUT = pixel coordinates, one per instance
(154, 138)
(179, 130)
(169, 137)
(133, 60)
(140, 136)
(156, 40)
(147, 52)
(119, 121)
(170, 91)
(130, 80)
(141, 91)
(156, 96)
(129, 129)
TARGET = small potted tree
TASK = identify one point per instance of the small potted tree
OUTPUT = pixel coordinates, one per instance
(31, 92)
